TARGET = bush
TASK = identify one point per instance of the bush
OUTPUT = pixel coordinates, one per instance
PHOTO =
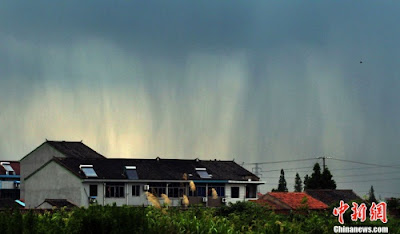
(242, 217)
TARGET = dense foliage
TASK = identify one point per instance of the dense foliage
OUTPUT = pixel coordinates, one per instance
(243, 217)
(371, 197)
(319, 180)
(282, 183)
(298, 186)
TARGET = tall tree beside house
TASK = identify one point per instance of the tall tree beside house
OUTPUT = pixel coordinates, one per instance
(298, 186)
(372, 195)
(282, 183)
(306, 179)
(314, 181)
(319, 180)
(327, 181)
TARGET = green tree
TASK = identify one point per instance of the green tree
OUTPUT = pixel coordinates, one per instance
(319, 180)
(282, 183)
(298, 186)
(327, 182)
(314, 182)
(372, 195)
(306, 179)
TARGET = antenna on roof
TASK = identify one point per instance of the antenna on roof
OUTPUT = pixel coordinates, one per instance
(81, 141)
(46, 139)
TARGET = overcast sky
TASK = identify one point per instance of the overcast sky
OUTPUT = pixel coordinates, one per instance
(253, 81)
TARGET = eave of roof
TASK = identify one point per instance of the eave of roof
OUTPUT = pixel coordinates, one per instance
(10, 176)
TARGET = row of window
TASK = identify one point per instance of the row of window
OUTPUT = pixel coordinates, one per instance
(118, 190)
(114, 190)
(201, 191)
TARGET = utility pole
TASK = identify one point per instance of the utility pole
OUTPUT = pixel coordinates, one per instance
(257, 172)
(323, 161)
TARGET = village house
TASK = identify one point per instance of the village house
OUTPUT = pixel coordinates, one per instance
(9, 180)
(74, 173)
(333, 196)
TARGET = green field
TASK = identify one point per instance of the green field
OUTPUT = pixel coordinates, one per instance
(243, 217)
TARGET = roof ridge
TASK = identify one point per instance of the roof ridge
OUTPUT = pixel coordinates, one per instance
(65, 141)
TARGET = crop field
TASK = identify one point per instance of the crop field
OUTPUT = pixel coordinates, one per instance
(243, 217)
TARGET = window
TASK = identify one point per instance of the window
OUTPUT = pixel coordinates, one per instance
(88, 170)
(115, 190)
(135, 190)
(202, 172)
(251, 191)
(131, 173)
(93, 190)
(8, 168)
(176, 192)
(234, 192)
(176, 189)
(199, 192)
(158, 188)
(218, 188)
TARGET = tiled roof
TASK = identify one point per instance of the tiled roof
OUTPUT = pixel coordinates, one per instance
(294, 200)
(290, 200)
(158, 169)
(59, 203)
(13, 164)
(331, 196)
(271, 202)
(75, 149)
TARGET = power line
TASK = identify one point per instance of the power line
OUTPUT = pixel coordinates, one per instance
(277, 177)
(333, 158)
(288, 169)
(383, 173)
(379, 192)
(284, 161)
(359, 168)
(370, 164)
(359, 181)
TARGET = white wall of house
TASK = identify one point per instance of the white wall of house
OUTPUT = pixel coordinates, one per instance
(35, 160)
(128, 199)
(228, 192)
(53, 182)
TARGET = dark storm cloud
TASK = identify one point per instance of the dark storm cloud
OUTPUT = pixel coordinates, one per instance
(255, 81)
(173, 25)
